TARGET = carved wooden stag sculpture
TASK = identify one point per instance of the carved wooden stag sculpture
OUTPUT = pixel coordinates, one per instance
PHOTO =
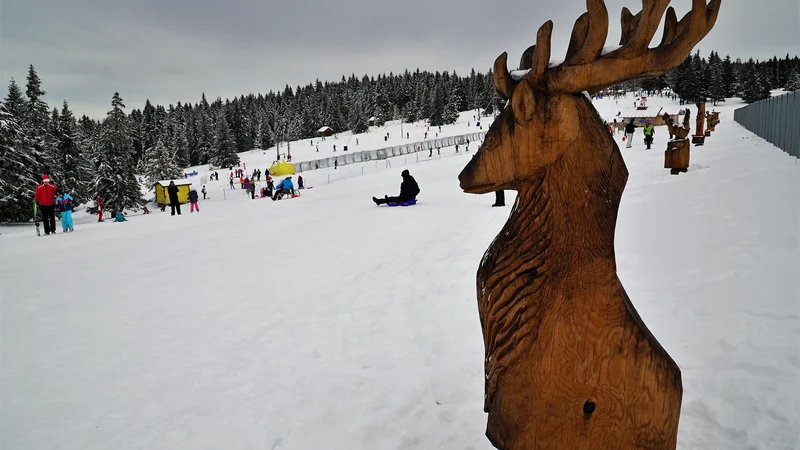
(569, 363)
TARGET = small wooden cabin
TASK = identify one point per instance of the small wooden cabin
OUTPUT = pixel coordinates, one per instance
(162, 196)
(325, 131)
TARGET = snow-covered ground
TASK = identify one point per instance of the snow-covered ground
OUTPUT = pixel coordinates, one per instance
(325, 322)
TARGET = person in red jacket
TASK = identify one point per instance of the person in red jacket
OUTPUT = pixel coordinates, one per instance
(99, 209)
(46, 200)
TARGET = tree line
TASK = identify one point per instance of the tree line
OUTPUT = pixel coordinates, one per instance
(99, 158)
(715, 79)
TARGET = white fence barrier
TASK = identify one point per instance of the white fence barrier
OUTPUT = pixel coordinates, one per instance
(380, 154)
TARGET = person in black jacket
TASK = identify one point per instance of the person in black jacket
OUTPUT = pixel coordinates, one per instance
(630, 128)
(172, 190)
(409, 189)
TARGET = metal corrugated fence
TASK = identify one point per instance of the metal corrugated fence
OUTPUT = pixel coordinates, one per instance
(777, 120)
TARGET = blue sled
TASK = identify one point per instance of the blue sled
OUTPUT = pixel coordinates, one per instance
(406, 203)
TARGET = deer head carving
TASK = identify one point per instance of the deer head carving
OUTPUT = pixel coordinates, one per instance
(568, 361)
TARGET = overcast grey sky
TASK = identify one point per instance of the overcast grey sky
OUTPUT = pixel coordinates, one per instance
(173, 50)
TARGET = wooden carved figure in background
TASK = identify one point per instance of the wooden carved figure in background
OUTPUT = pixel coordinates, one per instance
(699, 137)
(569, 364)
(712, 120)
(676, 157)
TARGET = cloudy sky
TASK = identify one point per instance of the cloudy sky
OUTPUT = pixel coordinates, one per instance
(173, 50)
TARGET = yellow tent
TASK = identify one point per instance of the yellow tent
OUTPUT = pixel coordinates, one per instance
(282, 168)
(162, 196)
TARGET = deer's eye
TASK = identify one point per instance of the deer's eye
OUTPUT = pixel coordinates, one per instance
(490, 142)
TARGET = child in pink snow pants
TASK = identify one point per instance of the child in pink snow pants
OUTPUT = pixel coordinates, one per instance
(193, 206)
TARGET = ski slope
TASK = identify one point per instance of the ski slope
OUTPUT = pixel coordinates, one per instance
(325, 322)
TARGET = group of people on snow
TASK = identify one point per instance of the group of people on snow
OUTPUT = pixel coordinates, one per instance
(649, 133)
(48, 199)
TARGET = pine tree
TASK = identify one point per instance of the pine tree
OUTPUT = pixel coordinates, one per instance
(160, 164)
(265, 133)
(454, 101)
(729, 78)
(74, 165)
(205, 140)
(224, 148)
(754, 86)
(181, 145)
(52, 139)
(793, 80)
(16, 181)
(15, 103)
(115, 181)
(716, 86)
(36, 122)
(357, 122)
(767, 85)
(437, 106)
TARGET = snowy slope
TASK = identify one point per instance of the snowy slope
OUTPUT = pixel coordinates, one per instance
(399, 134)
(325, 322)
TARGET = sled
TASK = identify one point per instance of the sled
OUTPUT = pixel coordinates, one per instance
(405, 203)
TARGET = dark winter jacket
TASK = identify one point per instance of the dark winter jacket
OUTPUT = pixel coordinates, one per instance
(630, 128)
(193, 196)
(172, 190)
(409, 189)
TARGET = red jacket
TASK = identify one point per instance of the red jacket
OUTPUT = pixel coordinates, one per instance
(46, 194)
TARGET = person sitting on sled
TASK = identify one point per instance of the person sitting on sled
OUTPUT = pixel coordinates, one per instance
(120, 217)
(285, 187)
(409, 189)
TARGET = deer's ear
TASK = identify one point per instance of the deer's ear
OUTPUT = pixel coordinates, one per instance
(524, 103)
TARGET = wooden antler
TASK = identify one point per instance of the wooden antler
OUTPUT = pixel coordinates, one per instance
(586, 69)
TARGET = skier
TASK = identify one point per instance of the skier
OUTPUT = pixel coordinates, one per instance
(284, 187)
(45, 198)
(233, 188)
(630, 128)
(204, 192)
(335, 164)
(246, 185)
(409, 189)
(253, 191)
(467, 146)
(456, 148)
(193, 200)
(300, 184)
(649, 132)
(174, 203)
(65, 205)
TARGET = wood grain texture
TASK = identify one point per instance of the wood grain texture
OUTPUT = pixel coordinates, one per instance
(677, 154)
(569, 363)
(674, 130)
(701, 119)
